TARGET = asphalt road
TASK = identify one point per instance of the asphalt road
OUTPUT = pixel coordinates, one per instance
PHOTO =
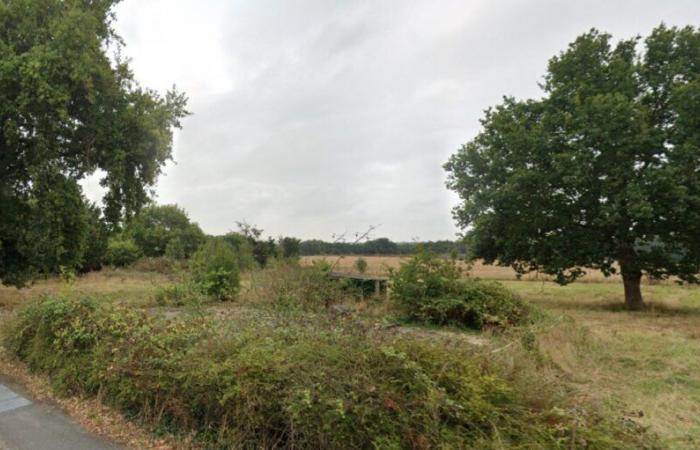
(30, 425)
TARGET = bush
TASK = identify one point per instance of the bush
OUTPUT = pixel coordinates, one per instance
(175, 249)
(289, 286)
(361, 265)
(215, 269)
(122, 251)
(430, 289)
(301, 385)
(179, 294)
(243, 249)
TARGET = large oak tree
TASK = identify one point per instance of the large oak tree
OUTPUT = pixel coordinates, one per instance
(601, 172)
(67, 110)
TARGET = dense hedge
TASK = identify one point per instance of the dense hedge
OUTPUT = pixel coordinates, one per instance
(283, 383)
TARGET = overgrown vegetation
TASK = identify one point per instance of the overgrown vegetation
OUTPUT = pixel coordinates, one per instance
(288, 286)
(121, 251)
(215, 269)
(431, 289)
(277, 382)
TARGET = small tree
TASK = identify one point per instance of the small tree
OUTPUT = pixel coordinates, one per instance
(262, 249)
(215, 269)
(602, 172)
(289, 247)
(243, 249)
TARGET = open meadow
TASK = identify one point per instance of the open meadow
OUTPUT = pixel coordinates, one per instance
(584, 354)
(380, 265)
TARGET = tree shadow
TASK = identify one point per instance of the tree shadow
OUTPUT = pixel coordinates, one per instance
(651, 308)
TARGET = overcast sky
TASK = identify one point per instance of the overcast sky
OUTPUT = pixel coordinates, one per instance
(319, 117)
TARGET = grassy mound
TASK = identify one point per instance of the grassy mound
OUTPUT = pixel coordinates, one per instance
(294, 383)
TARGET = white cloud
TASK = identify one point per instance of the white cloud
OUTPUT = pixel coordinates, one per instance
(316, 117)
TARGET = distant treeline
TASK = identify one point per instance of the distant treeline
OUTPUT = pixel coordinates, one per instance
(381, 246)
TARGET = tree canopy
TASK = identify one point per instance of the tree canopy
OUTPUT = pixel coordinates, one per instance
(602, 172)
(66, 111)
(158, 228)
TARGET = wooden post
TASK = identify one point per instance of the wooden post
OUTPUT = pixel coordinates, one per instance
(377, 288)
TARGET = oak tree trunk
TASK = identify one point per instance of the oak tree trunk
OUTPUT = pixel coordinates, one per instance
(632, 280)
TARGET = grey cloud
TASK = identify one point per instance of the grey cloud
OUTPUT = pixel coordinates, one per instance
(340, 114)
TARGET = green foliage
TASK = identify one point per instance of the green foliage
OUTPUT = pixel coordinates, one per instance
(96, 241)
(291, 287)
(122, 251)
(67, 109)
(321, 265)
(381, 246)
(289, 247)
(263, 250)
(600, 172)
(361, 265)
(259, 385)
(430, 289)
(185, 293)
(243, 249)
(176, 249)
(215, 269)
(158, 227)
(53, 237)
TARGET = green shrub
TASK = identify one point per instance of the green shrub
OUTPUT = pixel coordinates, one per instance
(272, 384)
(477, 304)
(175, 249)
(122, 251)
(215, 269)
(321, 265)
(243, 249)
(289, 286)
(179, 294)
(361, 265)
(431, 289)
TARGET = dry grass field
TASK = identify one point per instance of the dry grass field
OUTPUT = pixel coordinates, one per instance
(130, 286)
(647, 361)
(380, 265)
